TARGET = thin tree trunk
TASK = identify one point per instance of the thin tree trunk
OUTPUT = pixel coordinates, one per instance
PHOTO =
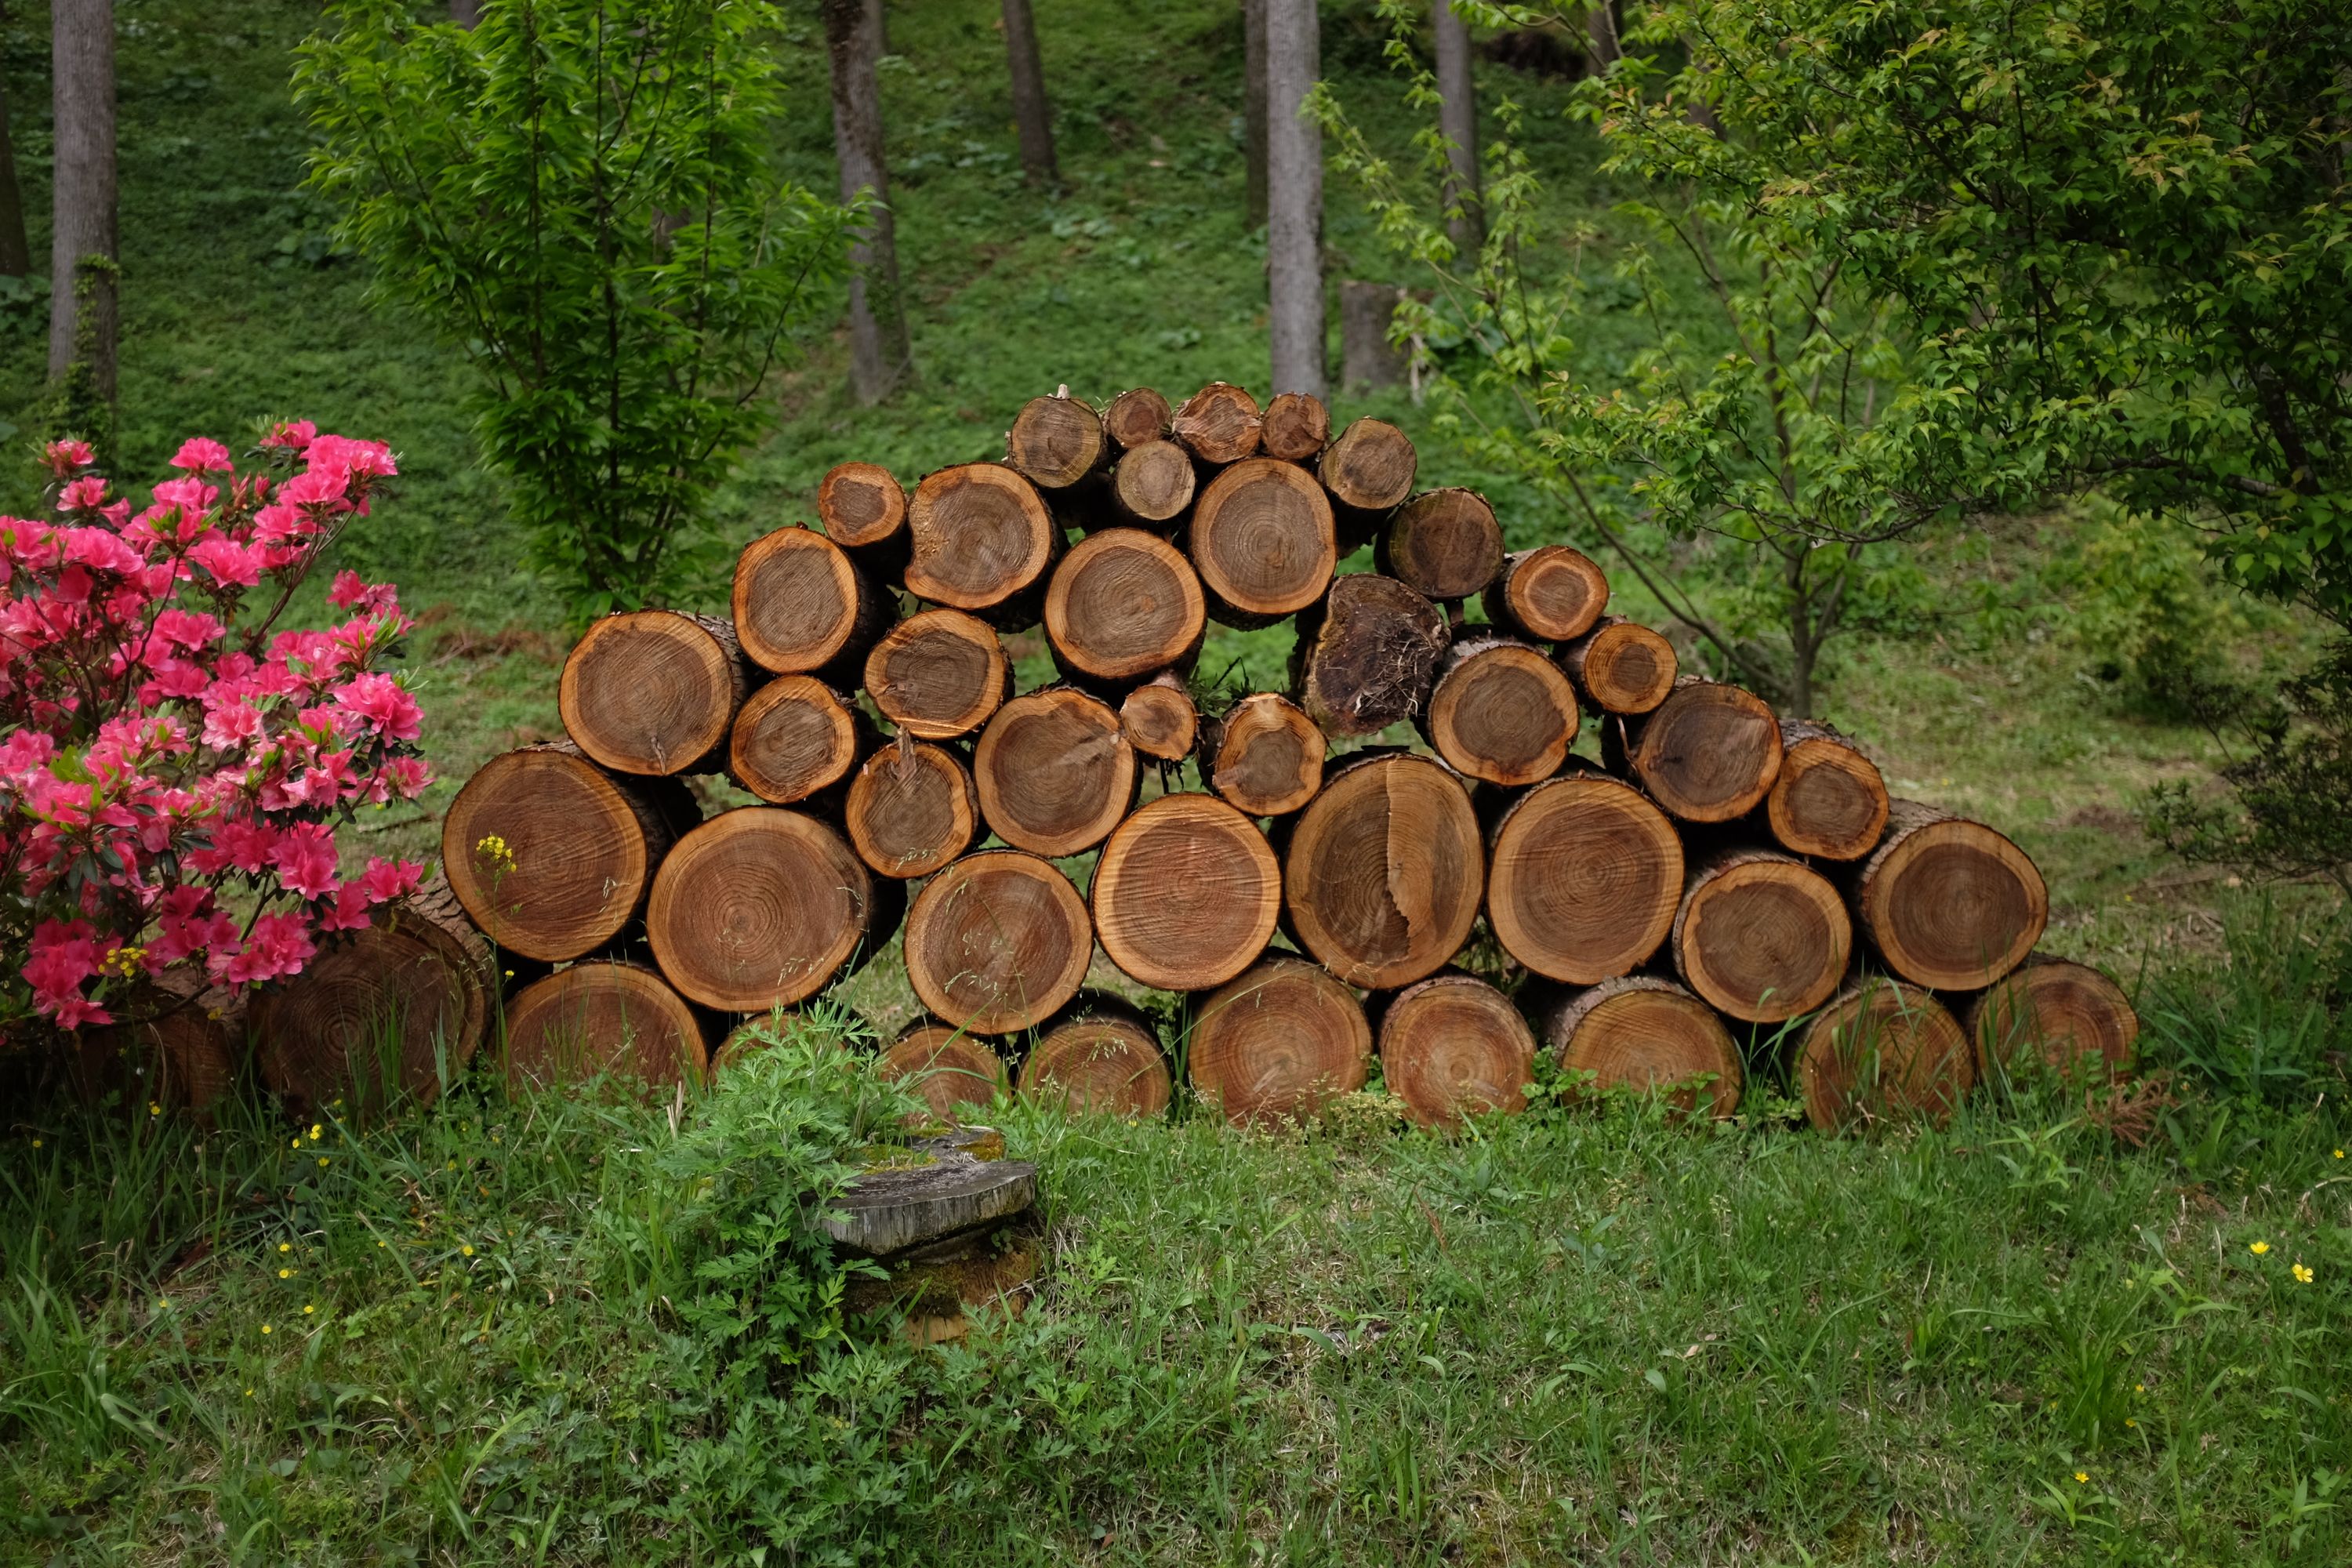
(1031, 113)
(1457, 118)
(1600, 36)
(466, 14)
(83, 320)
(15, 251)
(879, 359)
(879, 19)
(1294, 168)
(1254, 104)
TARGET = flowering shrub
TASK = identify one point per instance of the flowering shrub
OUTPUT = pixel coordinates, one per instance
(174, 768)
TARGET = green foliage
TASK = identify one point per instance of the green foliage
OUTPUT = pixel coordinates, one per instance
(2148, 611)
(582, 193)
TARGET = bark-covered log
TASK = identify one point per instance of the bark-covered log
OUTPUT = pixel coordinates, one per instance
(1882, 1051)
(1218, 425)
(982, 539)
(1369, 468)
(1153, 484)
(1123, 604)
(1296, 428)
(1501, 712)
(938, 674)
(653, 691)
(802, 606)
(761, 907)
(1584, 877)
(1643, 1034)
(1136, 416)
(1101, 1056)
(1160, 718)
(864, 510)
(1452, 1046)
(998, 942)
(1444, 543)
(1621, 666)
(948, 1069)
(602, 1018)
(796, 739)
(1262, 540)
(1709, 753)
(1829, 800)
(1367, 654)
(1055, 441)
(1761, 935)
(1550, 593)
(1384, 870)
(2074, 1018)
(1278, 1043)
(1186, 894)
(911, 810)
(1055, 772)
(1263, 755)
(1949, 903)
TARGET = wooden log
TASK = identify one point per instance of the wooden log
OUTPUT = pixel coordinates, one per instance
(1186, 894)
(600, 1018)
(1263, 755)
(1365, 655)
(1296, 428)
(938, 674)
(1621, 666)
(998, 942)
(379, 1017)
(1829, 799)
(864, 511)
(1760, 935)
(1640, 1034)
(1278, 1043)
(653, 691)
(1055, 772)
(1444, 543)
(1056, 442)
(178, 1048)
(1709, 753)
(1263, 541)
(1501, 712)
(912, 810)
(1218, 425)
(1454, 1047)
(1948, 903)
(1550, 593)
(948, 1069)
(1153, 484)
(761, 907)
(1882, 1050)
(1368, 469)
(1584, 878)
(1123, 604)
(2075, 1018)
(1102, 1057)
(896, 1209)
(1160, 720)
(802, 606)
(980, 538)
(1136, 416)
(550, 855)
(796, 739)
(1384, 870)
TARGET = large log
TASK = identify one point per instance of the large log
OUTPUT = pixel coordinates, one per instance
(1186, 894)
(1296, 428)
(653, 691)
(1709, 753)
(795, 739)
(938, 674)
(1160, 718)
(1384, 869)
(1948, 903)
(911, 810)
(802, 606)
(980, 538)
(946, 1067)
(602, 1018)
(1055, 441)
(2074, 1017)
(1550, 593)
(1101, 1056)
(1584, 878)
(1452, 1047)
(1829, 800)
(1278, 1043)
(551, 856)
(1135, 418)
(998, 942)
(1153, 484)
(1218, 425)
(1263, 541)
(761, 907)
(1055, 772)
(864, 511)
(1444, 543)
(1760, 935)
(1882, 1051)
(1263, 754)
(1365, 655)
(1369, 468)
(1643, 1034)
(1621, 666)
(1501, 712)
(1123, 604)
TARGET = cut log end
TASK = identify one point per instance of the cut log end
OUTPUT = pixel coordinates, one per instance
(1296, 428)
(653, 691)
(1586, 875)
(998, 942)
(1153, 484)
(938, 674)
(1384, 871)
(1829, 800)
(1643, 1035)
(949, 1069)
(601, 1019)
(1367, 656)
(1137, 417)
(1055, 773)
(1949, 903)
(1552, 593)
(1055, 442)
(1444, 543)
(1709, 753)
(1368, 466)
(1762, 936)
(912, 810)
(1502, 713)
(1882, 1051)
(800, 604)
(182, 1054)
(862, 507)
(1454, 1047)
(1123, 604)
(1160, 718)
(1218, 424)
(1186, 894)
(1101, 1058)
(1265, 756)
(2072, 1016)
(1263, 541)
(979, 535)
(761, 907)
(796, 738)
(1280, 1043)
(1624, 668)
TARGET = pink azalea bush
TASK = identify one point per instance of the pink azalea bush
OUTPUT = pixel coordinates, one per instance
(174, 768)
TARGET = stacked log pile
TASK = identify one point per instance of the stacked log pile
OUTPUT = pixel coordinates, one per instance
(1317, 870)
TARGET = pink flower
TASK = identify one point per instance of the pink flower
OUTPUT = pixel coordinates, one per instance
(64, 457)
(305, 858)
(231, 725)
(188, 924)
(201, 455)
(289, 435)
(372, 598)
(64, 955)
(388, 879)
(408, 777)
(247, 843)
(344, 455)
(384, 704)
(315, 488)
(349, 911)
(231, 566)
(85, 494)
(278, 944)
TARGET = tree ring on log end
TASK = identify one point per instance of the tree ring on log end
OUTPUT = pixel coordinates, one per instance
(1829, 800)
(1551, 592)
(758, 908)
(1186, 894)
(1055, 772)
(1504, 713)
(912, 810)
(1263, 539)
(1709, 753)
(2071, 1015)
(860, 504)
(1055, 442)
(1106, 1060)
(1951, 903)
(1278, 1043)
(1643, 1035)
(1762, 937)
(1584, 880)
(937, 674)
(576, 861)
(1452, 1047)
(1123, 604)
(998, 942)
(600, 1018)
(1882, 1050)
(798, 602)
(1384, 872)
(946, 1067)
(650, 691)
(979, 534)
(793, 738)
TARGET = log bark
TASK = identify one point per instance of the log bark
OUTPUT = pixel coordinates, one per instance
(1584, 878)
(946, 1067)
(1263, 755)
(1186, 894)
(1160, 720)
(761, 907)
(1383, 871)
(1550, 593)
(980, 538)
(1709, 753)
(1642, 1034)
(1278, 1043)
(2074, 1017)
(803, 607)
(1055, 772)
(1621, 666)
(603, 1018)
(1444, 543)
(879, 359)
(1882, 1051)
(797, 740)
(1153, 484)
(1457, 120)
(580, 846)
(1452, 1046)
(913, 809)
(1056, 442)
(1218, 425)
(653, 691)
(1948, 903)
(1136, 416)
(1296, 428)
(1264, 542)
(1102, 1057)
(938, 674)
(1829, 799)
(85, 320)
(1367, 360)
(864, 511)
(1365, 655)
(1760, 935)
(1123, 604)
(1501, 712)
(1033, 117)
(998, 942)
(1294, 187)
(1368, 469)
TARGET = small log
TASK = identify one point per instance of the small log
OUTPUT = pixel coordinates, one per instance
(1153, 485)
(864, 511)
(1550, 593)
(1365, 655)
(938, 674)
(1949, 903)
(911, 810)
(1263, 755)
(580, 848)
(1056, 442)
(981, 538)
(1501, 712)
(1186, 894)
(761, 907)
(1444, 543)
(653, 691)
(796, 739)
(1384, 869)
(1761, 935)
(1584, 878)
(1218, 425)
(1055, 772)
(946, 1067)
(802, 606)
(1296, 428)
(1644, 1034)
(1123, 604)
(893, 1210)
(1454, 1047)
(1137, 417)
(179, 1049)
(602, 1017)
(1368, 469)
(1829, 800)
(1621, 666)
(1709, 753)
(1160, 719)
(1278, 1043)
(1103, 1056)
(1263, 541)
(2075, 1018)
(1882, 1051)
(998, 942)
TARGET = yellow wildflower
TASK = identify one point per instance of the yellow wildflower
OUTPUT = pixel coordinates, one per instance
(307, 1311)
(2081, 1478)
(286, 1273)
(322, 1159)
(467, 1250)
(2302, 1275)
(154, 1109)
(314, 1132)
(2258, 1248)
(285, 1246)
(265, 1328)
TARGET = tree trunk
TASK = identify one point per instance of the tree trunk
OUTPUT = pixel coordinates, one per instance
(1186, 894)
(1153, 484)
(1644, 1035)
(938, 674)
(1882, 1051)
(1828, 801)
(598, 1018)
(1501, 712)
(980, 538)
(797, 739)
(1102, 1057)
(1296, 428)
(1264, 756)
(1294, 166)
(1550, 593)
(466, 14)
(998, 942)
(1762, 936)
(1160, 720)
(1031, 115)
(880, 358)
(1584, 876)
(864, 511)
(2072, 1016)
(913, 809)
(1368, 470)
(1601, 36)
(84, 307)
(1709, 753)
(1220, 424)
(1134, 416)
(1280, 1043)
(1948, 903)
(1384, 870)
(1254, 137)
(1263, 541)
(1444, 543)
(1454, 1047)
(1057, 441)
(1365, 655)
(653, 691)
(1621, 666)
(946, 1067)
(1367, 360)
(803, 607)
(16, 249)
(1123, 605)
(1055, 772)
(761, 907)
(1457, 120)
